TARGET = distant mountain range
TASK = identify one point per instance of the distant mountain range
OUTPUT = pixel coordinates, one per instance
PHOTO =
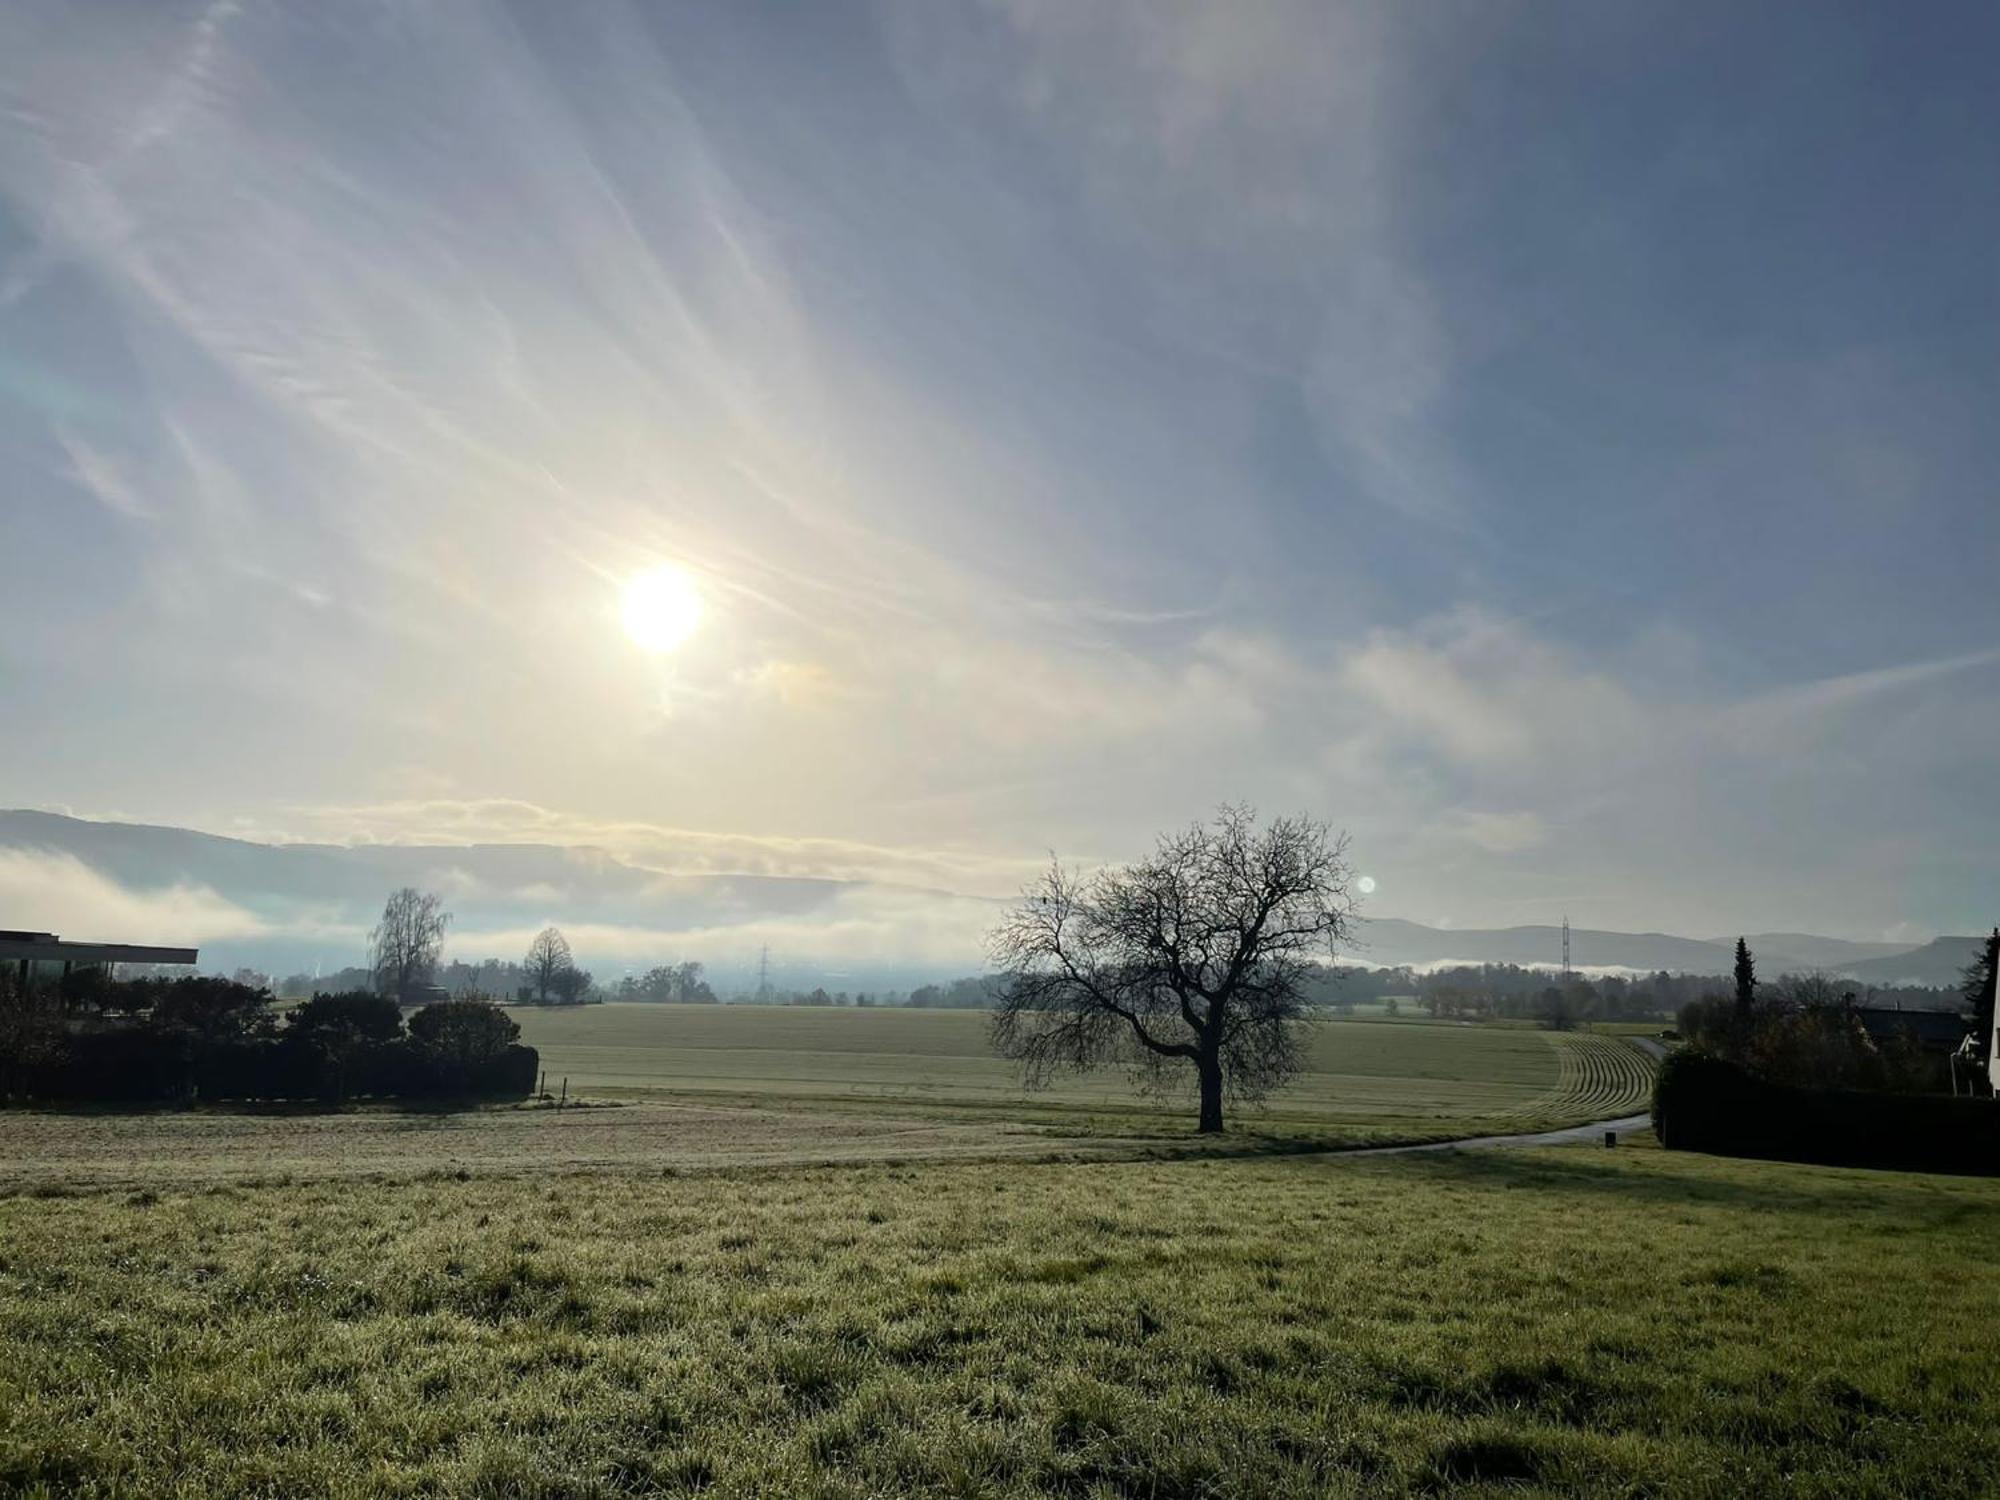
(287, 908)
(1940, 961)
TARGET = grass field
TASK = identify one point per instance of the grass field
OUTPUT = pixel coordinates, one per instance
(1365, 1080)
(1566, 1321)
(838, 1253)
(705, 1107)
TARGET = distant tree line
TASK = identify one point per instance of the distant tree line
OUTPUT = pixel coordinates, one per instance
(405, 964)
(667, 984)
(978, 992)
(94, 1037)
(1514, 992)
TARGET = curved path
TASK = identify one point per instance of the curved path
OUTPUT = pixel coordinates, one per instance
(1572, 1135)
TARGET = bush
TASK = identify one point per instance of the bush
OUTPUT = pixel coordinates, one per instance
(204, 1007)
(1704, 1103)
(124, 1066)
(209, 1040)
(359, 1015)
(464, 1040)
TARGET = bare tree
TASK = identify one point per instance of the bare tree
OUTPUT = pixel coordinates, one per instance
(404, 948)
(1197, 956)
(547, 961)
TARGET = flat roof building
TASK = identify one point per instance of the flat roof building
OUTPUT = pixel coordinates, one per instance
(42, 957)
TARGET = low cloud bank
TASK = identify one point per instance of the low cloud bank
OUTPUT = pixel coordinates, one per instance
(47, 891)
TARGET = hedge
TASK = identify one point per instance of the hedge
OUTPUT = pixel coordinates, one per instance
(1703, 1103)
(133, 1066)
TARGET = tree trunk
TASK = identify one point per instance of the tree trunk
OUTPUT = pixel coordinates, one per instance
(1211, 1095)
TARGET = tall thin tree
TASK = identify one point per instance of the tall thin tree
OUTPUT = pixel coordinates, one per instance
(1746, 980)
(406, 944)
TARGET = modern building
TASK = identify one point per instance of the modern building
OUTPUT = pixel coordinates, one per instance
(44, 958)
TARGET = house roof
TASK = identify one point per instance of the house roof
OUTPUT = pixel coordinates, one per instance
(43, 946)
(1941, 1027)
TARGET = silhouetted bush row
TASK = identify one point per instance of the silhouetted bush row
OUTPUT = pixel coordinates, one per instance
(1705, 1103)
(200, 1038)
(138, 1067)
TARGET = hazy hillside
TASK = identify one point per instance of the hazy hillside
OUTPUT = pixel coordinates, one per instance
(296, 906)
(1391, 941)
(1802, 950)
(299, 906)
(1940, 961)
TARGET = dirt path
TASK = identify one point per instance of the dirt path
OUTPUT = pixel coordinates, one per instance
(1574, 1135)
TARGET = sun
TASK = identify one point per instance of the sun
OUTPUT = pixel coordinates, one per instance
(660, 608)
(1365, 885)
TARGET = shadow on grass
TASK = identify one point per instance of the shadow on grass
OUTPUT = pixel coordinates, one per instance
(1689, 1179)
(286, 1108)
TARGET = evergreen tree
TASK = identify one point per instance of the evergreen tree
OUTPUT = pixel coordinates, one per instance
(1746, 979)
(1977, 989)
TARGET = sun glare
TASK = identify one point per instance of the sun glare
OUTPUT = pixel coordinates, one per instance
(660, 608)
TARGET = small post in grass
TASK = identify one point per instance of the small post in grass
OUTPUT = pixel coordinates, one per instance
(565, 1093)
(1610, 1139)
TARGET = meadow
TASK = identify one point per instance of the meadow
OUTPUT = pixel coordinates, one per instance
(1553, 1321)
(1365, 1080)
(704, 1087)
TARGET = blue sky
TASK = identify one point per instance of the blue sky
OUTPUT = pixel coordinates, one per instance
(1552, 441)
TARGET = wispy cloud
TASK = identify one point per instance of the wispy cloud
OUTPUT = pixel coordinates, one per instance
(1075, 417)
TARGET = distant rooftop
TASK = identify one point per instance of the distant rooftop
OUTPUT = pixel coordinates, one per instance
(1942, 1029)
(21, 947)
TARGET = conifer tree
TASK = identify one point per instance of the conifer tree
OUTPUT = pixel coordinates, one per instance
(1978, 986)
(1746, 980)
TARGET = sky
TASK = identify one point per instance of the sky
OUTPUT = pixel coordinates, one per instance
(1552, 442)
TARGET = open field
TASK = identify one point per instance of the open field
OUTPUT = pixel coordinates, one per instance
(1567, 1320)
(1366, 1080)
(101, 1148)
(701, 1087)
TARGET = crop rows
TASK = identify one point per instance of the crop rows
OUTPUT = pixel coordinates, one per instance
(1598, 1078)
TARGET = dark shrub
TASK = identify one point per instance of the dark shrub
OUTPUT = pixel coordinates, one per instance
(257, 1069)
(463, 1039)
(354, 1017)
(208, 1009)
(1699, 1100)
(128, 1065)
(345, 1034)
(337, 1047)
(1702, 1103)
(33, 1035)
(511, 1075)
